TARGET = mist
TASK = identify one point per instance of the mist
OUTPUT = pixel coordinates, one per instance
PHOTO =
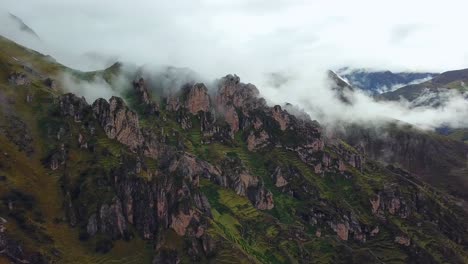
(283, 47)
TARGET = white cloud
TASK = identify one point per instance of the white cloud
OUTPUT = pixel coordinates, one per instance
(253, 38)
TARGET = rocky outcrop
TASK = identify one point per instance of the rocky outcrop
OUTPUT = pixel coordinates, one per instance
(198, 99)
(111, 220)
(262, 198)
(390, 201)
(18, 79)
(118, 121)
(403, 240)
(51, 83)
(257, 140)
(235, 176)
(232, 118)
(282, 117)
(279, 178)
(13, 250)
(173, 103)
(19, 133)
(170, 201)
(232, 92)
(73, 106)
(233, 98)
(144, 96)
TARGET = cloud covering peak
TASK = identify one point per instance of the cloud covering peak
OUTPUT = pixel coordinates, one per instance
(294, 41)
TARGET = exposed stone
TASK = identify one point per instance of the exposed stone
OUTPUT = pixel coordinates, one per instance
(255, 141)
(18, 79)
(173, 103)
(82, 141)
(281, 117)
(74, 106)
(144, 96)
(318, 233)
(342, 231)
(118, 121)
(92, 226)
(403, 240)
(112, 220)
(232, 118)
(198, 99)
(279, 179)
(257, 124)
(2, 225)
(51, 83)
(389, 200)
(375, 231)
(263, 199)
(180, 221)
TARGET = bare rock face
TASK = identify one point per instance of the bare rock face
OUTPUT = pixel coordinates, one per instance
(232, 118)
(74, 106)
(281, 117)
(112, 220)
(390, 201)
(232, 92)
(263, 198)
(255, 141)
(181, 220)
(152, 146)
(233, 96)
(198, 99)
(403, 240)
(144, 96)
(235, 176)
(92, 226)
(342, 231)
(118, 121)
(192, 168)
(173, 103)
(170, 200)
(18, 79)
(278, 177)
(51, 83)
(13, 250)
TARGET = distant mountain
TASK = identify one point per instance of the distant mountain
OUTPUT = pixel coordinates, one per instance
(382, 81)
(447, 81)
(342, 87)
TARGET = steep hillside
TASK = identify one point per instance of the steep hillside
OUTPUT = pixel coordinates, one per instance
(190, 175)
(437, 159)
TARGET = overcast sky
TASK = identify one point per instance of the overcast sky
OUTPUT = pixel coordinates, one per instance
(251, 38)
(216, 36)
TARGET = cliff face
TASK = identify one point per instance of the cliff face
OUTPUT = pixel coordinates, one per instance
(213, 177)
(118, 121)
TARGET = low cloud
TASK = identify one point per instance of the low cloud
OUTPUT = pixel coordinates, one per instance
(94, 88)
(297, 40)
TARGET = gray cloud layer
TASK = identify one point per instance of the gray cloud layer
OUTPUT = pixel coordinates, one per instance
(254, 38)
